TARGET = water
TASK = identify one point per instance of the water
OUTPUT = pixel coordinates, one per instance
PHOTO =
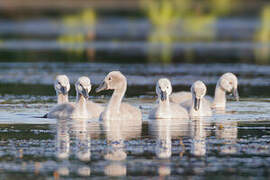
(217, 31)
(234, 144)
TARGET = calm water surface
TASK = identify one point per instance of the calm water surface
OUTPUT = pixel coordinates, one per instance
(232, 144)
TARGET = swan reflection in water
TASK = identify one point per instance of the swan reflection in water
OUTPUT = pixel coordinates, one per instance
(198, 136)
(117, 132)
(164, 130)
(80, 130)
(227, 132)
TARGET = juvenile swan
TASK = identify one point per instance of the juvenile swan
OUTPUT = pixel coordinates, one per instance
(165, 109)
(227, 83)
(62, 86)
(78, 109)
(115, 109)
(199, 107)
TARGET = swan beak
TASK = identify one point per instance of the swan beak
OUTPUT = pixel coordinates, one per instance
(163, 96)
(235, 94)
(85, 93)
(64, 90)
(197, 104)
(102, 87)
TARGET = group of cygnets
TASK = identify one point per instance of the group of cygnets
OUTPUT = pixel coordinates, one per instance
(169, 105)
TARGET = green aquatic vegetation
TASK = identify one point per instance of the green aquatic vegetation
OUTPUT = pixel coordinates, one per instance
(169, 17)
(75, 36)
(262, 36)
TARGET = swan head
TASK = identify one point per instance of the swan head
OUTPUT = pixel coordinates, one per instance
(83, 86)
(61, 84)
(198, 91)
(163, 89)
(229, 83)
(115, 80)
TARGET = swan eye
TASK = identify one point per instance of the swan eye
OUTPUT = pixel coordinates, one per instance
(110, 78)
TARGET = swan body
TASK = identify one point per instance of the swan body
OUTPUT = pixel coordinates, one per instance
(78, 109)
(115, 109)
(199, 106)
(165, 109)
(228, 82)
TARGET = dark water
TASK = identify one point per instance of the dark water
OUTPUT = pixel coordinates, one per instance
(230, 145)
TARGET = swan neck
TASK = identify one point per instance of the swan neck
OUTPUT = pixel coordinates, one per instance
(220, 97)
(165, 103)
(192, 108)
(116, 99)
(81, 100)
(61, 98)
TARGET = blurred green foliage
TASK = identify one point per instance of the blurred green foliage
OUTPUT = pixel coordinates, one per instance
(186, 22)
(79, 29)
(262, 36)
(168, 16)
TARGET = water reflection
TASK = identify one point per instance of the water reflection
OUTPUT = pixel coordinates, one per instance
(78, 128)
(189, 134)
(62, 140)
(227, 132)
(117, 131)
(83, 139)
(198, 136)
(161, 130)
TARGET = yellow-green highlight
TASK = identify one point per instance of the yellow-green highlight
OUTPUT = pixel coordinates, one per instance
(262, 37)
(196, 21)
(74, 38)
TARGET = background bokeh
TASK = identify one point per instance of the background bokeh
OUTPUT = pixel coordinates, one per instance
(163, 31)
